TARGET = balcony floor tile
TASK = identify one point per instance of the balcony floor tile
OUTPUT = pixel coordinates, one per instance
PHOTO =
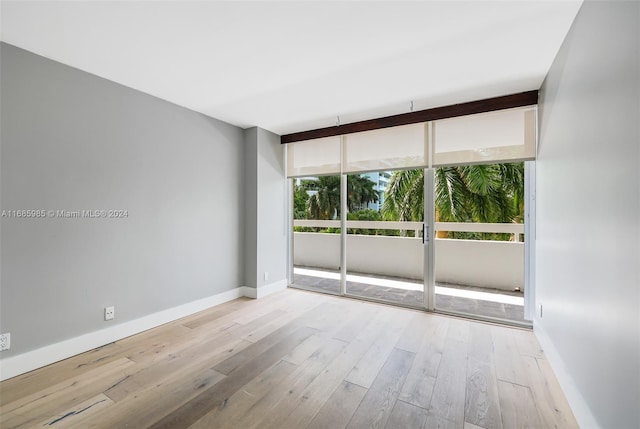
(456, 304)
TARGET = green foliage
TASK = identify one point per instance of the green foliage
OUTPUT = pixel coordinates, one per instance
(305, 229)
(404, 196)
(360, 192)
(366, 214)
(462, 235)
(324, 199)
(491, 193)
(300, 202)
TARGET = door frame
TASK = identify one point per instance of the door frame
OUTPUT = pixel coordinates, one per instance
(429, 239)
(529, 239)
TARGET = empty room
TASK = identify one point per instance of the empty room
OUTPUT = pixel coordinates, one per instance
(308, 214)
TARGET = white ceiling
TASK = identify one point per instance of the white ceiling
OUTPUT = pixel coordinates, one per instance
(292, 66)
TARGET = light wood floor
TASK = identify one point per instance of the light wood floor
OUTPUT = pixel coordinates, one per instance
(298, 359)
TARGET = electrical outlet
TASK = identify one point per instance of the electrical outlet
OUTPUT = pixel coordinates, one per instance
(109, 313)
(266, 275)
(5, 342)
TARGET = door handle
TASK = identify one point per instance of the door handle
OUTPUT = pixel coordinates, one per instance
(425, 233)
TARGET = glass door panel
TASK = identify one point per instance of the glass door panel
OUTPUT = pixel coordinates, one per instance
(479, 240)
(316, 233)
(384, 245)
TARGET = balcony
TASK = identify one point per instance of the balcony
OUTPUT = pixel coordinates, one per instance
(480, 277)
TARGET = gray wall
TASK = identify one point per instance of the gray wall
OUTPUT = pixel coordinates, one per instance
(251, 206)
(588, 213)
(272, 209)
(74, 141)
(266, 211)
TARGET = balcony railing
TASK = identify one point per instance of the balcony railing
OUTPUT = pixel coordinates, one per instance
(481, 263)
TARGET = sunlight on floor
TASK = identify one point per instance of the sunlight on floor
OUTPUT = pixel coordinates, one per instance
(397, 284)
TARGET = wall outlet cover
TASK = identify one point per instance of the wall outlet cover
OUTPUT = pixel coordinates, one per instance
(109, 313)
(5, 342)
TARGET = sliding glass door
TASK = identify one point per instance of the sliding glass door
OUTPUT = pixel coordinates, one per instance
(316, 233)
(427, 215)
(408, 241)
(384, 242)
(479, 246)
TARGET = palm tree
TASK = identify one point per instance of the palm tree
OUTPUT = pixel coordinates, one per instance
(324, 202)
(404, 196)
(360, 192)
(470, 193)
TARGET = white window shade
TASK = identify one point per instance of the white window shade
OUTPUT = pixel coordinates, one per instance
(500, 136)
(386, 149)
(314, 157)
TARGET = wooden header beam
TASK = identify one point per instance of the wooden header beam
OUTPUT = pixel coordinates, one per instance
(481, 106)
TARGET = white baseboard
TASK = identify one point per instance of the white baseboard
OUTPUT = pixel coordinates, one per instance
(265, 290)
(25, 362)
(578, 405)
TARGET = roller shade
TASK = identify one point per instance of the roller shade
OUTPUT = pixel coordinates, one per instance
(499, 136)
(507, 135)
(386, 149)
(314, 157)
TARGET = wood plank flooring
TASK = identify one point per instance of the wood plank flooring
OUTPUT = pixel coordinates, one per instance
(298, 359)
